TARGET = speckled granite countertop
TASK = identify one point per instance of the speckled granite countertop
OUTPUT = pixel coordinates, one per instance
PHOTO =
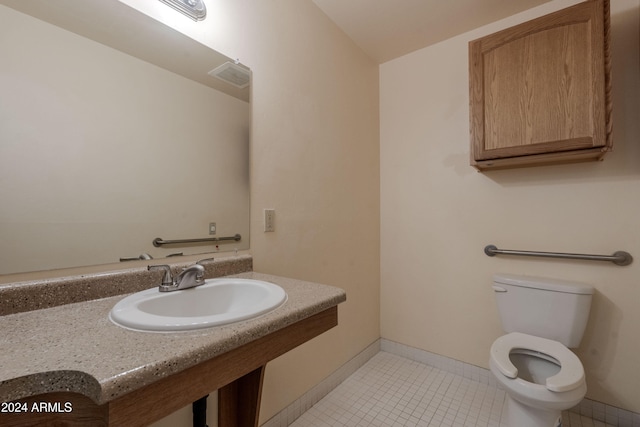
(76, 348)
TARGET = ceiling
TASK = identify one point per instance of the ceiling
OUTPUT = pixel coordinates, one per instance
(387, 29)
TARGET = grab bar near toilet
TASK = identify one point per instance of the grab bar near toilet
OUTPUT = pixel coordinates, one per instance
(618, 258)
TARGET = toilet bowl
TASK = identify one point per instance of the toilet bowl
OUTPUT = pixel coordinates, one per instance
(543, 318)
(541, 377)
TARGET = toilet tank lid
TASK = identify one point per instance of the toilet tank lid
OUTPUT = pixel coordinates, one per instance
(544, 283)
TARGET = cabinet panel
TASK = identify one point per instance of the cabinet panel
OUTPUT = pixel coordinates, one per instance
(541, 88)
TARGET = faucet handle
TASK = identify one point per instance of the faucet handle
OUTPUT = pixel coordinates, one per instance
(167, 279)
(200, 263)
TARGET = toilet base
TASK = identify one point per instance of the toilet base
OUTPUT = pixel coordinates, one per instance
(520, 415)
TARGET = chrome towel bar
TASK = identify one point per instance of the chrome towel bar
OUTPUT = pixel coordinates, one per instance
(157, 242)
(618, 258)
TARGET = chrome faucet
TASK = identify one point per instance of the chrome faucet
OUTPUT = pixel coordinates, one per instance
(190, 277)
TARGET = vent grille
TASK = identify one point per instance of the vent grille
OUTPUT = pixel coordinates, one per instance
(233, 74)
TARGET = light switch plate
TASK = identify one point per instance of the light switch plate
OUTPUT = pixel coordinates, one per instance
(269, 220)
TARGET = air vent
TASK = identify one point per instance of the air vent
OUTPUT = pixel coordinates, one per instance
(233, 74)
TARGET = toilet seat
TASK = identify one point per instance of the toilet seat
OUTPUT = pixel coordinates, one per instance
(571, 373)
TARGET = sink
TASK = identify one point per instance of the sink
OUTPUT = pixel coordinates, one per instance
(217, 302)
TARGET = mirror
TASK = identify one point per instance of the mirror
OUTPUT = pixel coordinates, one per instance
(112, 134)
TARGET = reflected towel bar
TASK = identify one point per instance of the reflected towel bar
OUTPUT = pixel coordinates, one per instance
(618, 258)
(157, 242)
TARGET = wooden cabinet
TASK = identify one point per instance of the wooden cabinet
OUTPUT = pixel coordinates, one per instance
(540, 92)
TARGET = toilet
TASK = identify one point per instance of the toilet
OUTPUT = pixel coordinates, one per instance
(543, 318)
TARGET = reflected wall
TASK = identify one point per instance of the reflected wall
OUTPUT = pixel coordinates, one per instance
(101, 152)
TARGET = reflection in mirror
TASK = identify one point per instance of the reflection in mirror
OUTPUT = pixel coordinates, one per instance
(101, 152)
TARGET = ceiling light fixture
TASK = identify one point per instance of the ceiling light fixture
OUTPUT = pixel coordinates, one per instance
(194, 9)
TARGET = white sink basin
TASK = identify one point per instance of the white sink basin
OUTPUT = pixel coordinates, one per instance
(217, 302)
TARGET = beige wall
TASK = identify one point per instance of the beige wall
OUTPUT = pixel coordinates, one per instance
(438, 213)
(315, 160)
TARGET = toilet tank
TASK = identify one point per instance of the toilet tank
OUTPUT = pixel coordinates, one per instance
(548, 308)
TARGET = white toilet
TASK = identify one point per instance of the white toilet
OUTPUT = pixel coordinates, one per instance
(541, 376)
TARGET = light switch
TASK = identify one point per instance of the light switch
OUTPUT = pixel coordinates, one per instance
(269, 220)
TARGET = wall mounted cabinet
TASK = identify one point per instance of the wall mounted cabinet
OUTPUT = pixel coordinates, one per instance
(540, 92)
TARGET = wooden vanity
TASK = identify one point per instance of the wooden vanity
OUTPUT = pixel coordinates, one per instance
(102, 375)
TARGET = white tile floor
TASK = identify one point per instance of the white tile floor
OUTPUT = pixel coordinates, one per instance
(391, 390)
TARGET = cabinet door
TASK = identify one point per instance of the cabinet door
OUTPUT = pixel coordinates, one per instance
(539, 91)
